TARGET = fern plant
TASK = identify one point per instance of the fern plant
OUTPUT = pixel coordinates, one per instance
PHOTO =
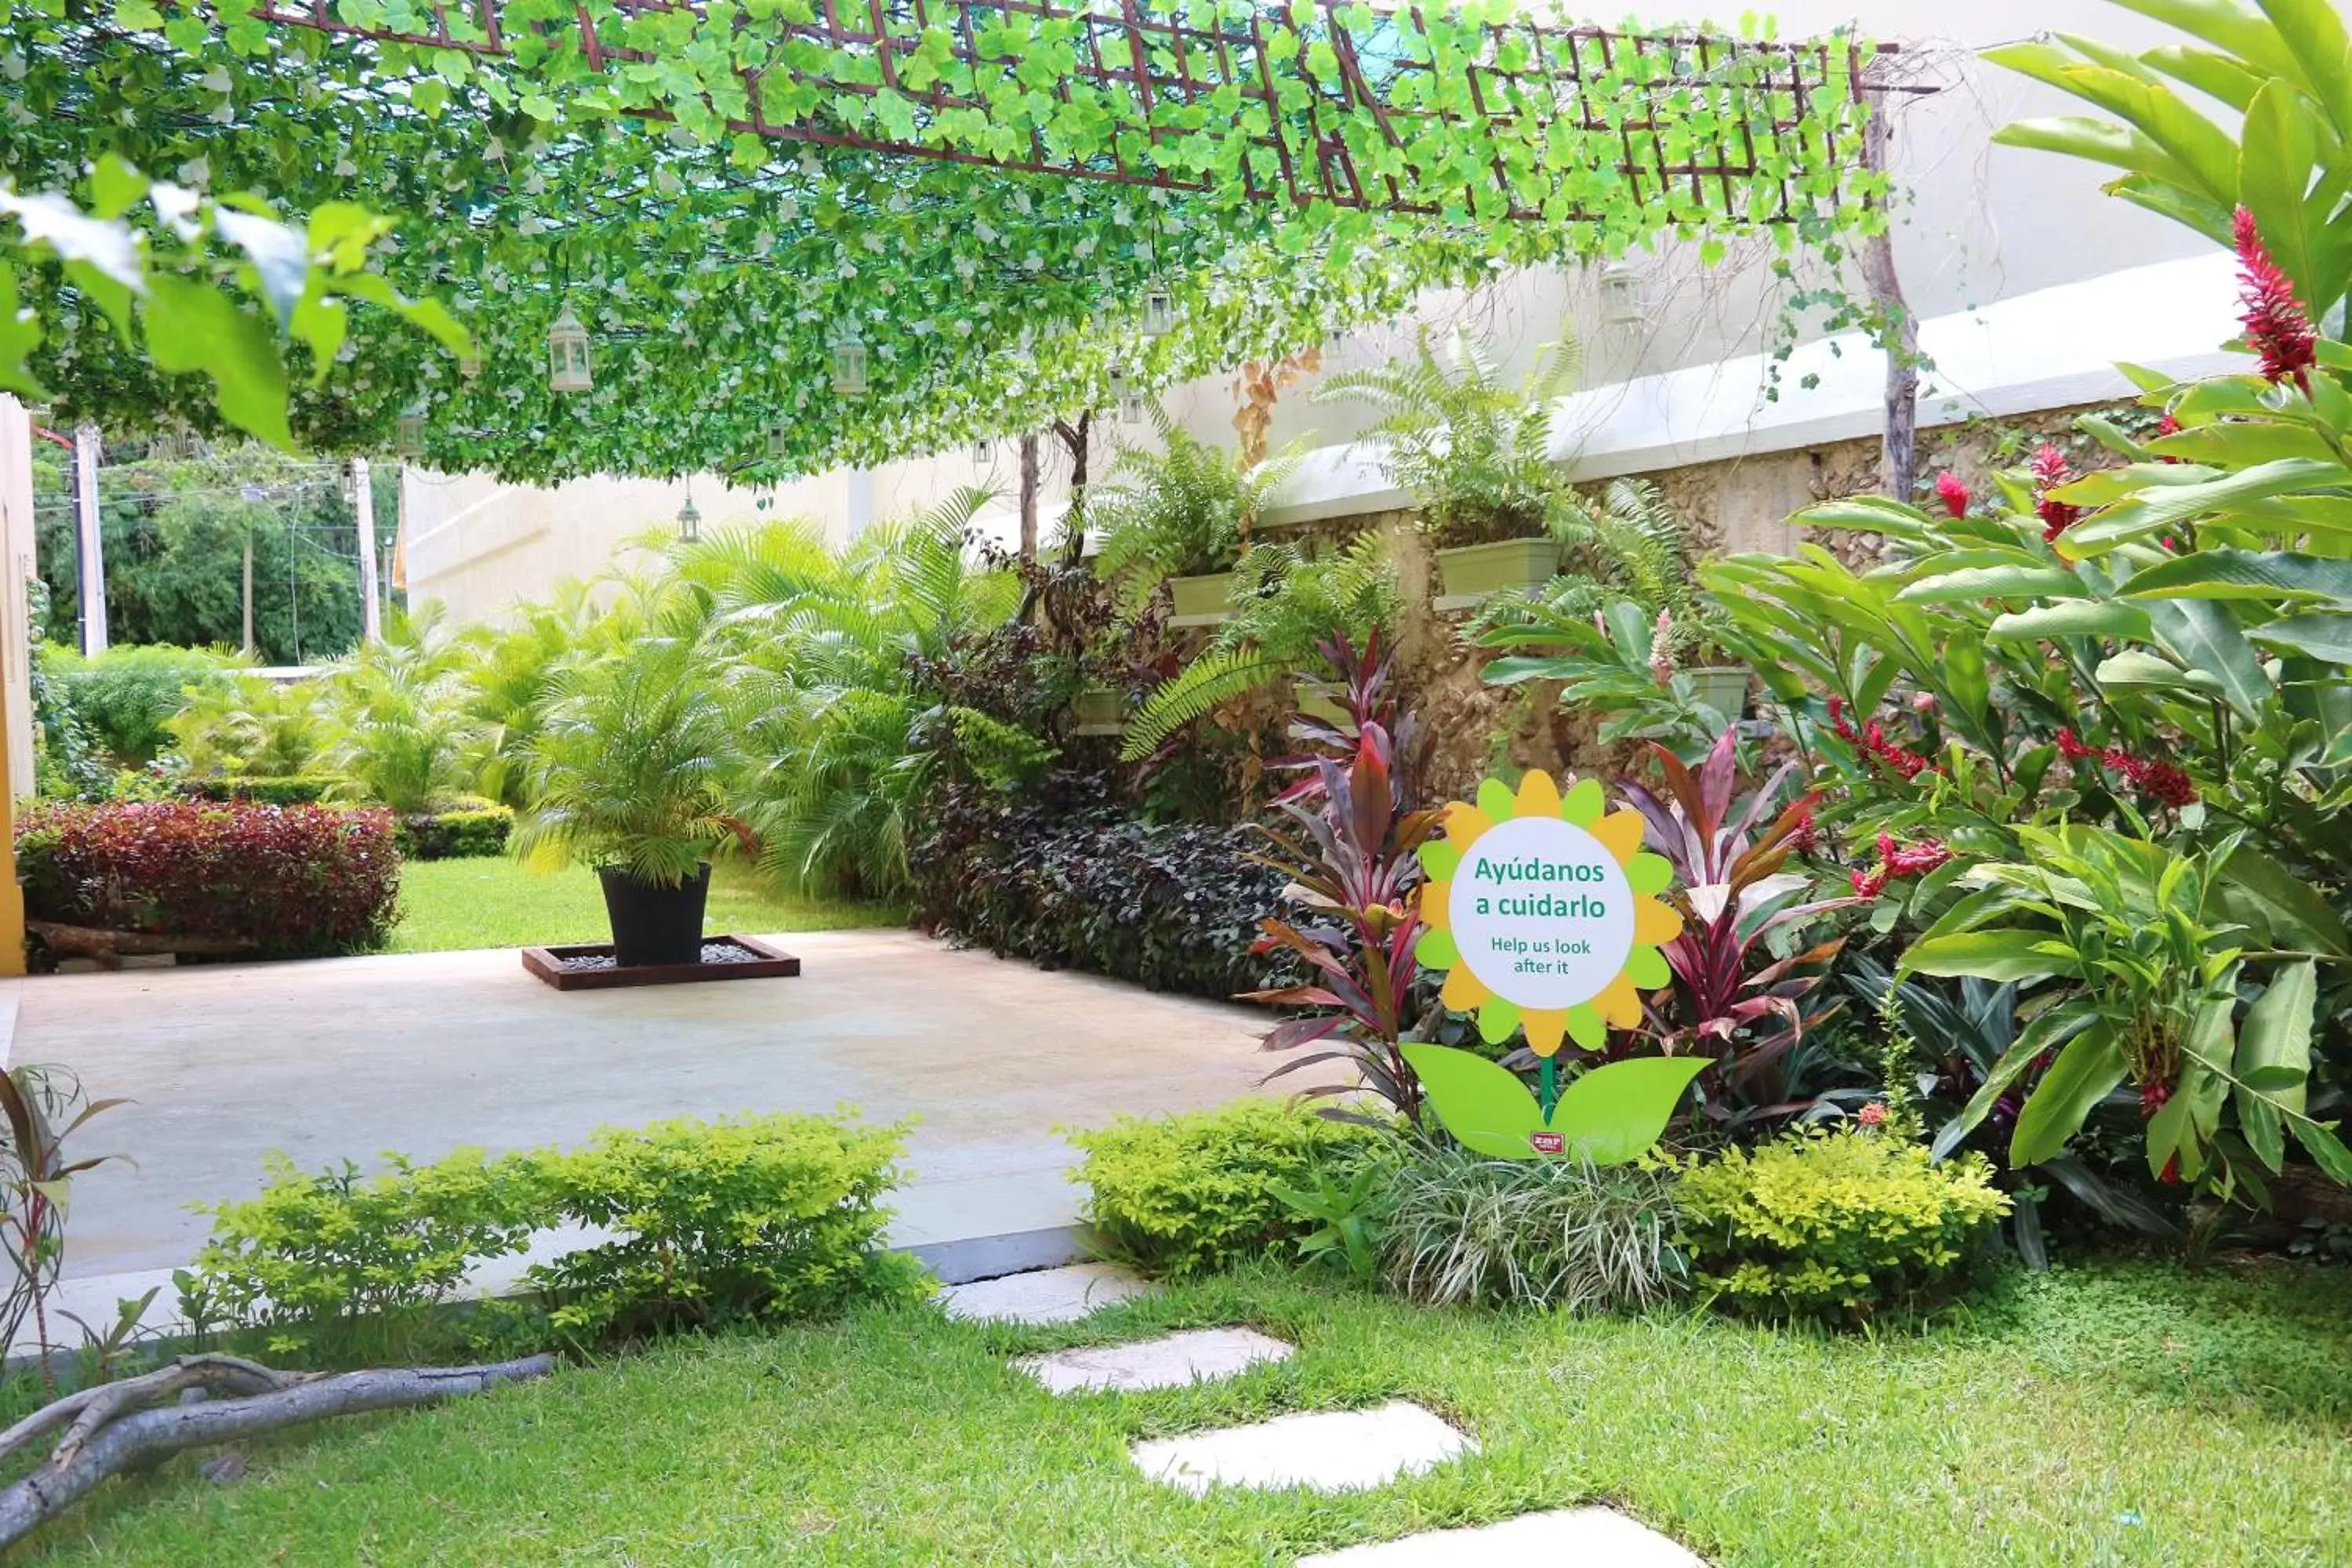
(1182, 511)
(1284, 606)
(1625, 543)
(1471, 450)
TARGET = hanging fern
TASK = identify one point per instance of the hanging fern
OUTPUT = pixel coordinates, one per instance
(1209, 683)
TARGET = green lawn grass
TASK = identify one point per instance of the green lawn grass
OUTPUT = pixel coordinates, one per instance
(495, 902)
(2128, 1416)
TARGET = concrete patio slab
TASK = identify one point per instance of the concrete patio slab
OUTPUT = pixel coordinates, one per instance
(341, 1058)
(1174, 1361)
(1046, 1294)
(1567, 1538)
(1325, 1451)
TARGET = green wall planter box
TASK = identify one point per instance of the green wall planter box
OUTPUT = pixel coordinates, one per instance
(1476, 572)
(1098, 711)
(1200, 601)
(1722, 687)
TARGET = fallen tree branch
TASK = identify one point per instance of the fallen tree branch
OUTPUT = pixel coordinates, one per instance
(130, 1425)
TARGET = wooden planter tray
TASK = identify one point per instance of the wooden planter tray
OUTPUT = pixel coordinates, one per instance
(547, 962)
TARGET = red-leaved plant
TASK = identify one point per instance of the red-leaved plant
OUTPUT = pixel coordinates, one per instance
(1731, 996)
(1352, 869)
(292, 880)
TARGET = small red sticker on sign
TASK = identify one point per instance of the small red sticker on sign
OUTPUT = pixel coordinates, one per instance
(1548, 1143)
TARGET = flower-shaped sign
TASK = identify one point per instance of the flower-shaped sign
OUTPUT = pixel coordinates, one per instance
(1545, 910)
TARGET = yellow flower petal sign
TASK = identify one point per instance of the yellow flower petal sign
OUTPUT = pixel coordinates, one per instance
(1542, 907)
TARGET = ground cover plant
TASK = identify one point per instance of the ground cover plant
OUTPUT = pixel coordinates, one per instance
(2124, 1414)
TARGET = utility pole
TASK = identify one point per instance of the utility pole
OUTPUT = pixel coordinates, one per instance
(363, 506)
(87, 530)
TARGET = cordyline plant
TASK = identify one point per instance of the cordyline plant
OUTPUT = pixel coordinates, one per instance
(1352, 868)
(36, 1181)
(1358, 691)
(1730, 994)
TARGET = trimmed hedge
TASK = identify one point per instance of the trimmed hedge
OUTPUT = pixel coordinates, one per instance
(128, 694)
(1193, 1194)
(265, 789)
(473, 831)
(704, 1223)
(296, 882)
(1835, 1225)
(1172, 906)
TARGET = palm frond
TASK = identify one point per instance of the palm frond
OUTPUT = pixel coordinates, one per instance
(1210, 681)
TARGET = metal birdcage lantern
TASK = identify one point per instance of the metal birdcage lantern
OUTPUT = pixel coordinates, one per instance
(567, 354)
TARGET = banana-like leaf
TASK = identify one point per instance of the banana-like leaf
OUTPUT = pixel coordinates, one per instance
(2246, 575)
(2071, 619)
(2091, 1064)
(2325, 636)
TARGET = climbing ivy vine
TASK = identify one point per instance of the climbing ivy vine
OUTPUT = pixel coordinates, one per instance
(657, 188)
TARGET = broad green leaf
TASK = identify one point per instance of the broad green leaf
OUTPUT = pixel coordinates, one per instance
(2085, 1071)
(191, 327)
(2276, 1038)
(2133, 667)
(1989, 955)
(2324, 637)
(2206, 636)
(1486, 1107)
(1613, 1113)
(2280, 908)
(2274, 158)
(1993, 582)
(2327, 1150)
(2226, 574)
(2168, 509)
(2076, 617)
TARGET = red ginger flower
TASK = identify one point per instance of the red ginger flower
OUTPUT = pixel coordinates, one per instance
(2050, 471)
(1954, 494)
(2159, 780)
(2276, 327)
(1899, 860)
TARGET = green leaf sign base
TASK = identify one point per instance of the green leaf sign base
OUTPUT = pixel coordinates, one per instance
(1607, 1116)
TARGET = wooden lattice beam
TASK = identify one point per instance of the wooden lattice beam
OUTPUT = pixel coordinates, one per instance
(1328, 103)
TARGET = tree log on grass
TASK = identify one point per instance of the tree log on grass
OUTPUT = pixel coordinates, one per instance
(140, 1421)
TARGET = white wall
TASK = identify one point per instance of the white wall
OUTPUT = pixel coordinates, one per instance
(1983, 224)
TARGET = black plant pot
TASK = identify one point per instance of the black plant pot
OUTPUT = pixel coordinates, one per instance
(653, 924)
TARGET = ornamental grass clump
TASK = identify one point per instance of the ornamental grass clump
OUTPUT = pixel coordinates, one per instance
(1467, 1230)
(1836, 1225)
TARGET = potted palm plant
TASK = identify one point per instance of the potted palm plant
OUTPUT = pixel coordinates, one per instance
(625, 772)
(1474, 453)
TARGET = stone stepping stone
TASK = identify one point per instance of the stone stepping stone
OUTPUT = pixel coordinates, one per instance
(1324, 1451)
(1569, 1538)
(1045, 1296)
(1178, 1361)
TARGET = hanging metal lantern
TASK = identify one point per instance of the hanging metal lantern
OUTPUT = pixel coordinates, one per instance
(1159, 313)
(469, 364)
(1131, 406)
(776, 442)
(567, 354)
(848, 365)
(408, 434)
(690, 520)
(983, 451)
(1621, 295)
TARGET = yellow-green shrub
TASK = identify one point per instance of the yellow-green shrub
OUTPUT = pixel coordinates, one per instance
(1833, 1225)
(1192, 1194)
